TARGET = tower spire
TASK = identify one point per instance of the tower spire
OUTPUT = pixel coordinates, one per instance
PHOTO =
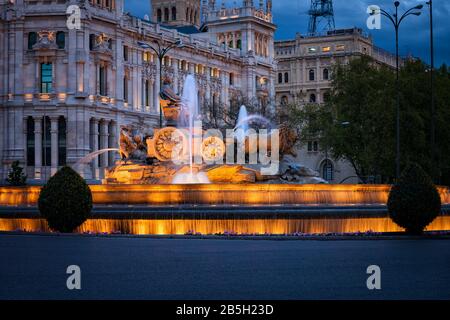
(321, 16)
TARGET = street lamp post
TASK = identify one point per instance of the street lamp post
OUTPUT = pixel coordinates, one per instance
(433, 107)
(161, 51)
(396, 21)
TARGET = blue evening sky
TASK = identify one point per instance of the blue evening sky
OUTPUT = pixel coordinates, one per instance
(291, 17)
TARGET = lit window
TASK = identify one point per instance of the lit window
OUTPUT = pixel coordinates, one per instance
(326, 49)
(312, 50)
(46, 77)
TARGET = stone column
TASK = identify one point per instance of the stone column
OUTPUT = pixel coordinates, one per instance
(155, 96)
(175, 66)
(54, 144)
(38, 148)
(94, 139)
(104, 143)
(208, 82)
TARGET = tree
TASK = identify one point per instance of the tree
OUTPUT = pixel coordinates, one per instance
(16, 177)
(65, 201)
(414, 201)
(357, 123)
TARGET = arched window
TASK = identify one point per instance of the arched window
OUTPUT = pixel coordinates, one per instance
(230, 44)
(239, 44)
(61, 39)
(62, 141)
(174, 14)
(328, 171)
(286, 77)
(46, 142)
(326, 74)
(312, 98)
(32, 40)
(280, 78)
(159, 15)
(312, 75)
(166, 14)
(30, 142)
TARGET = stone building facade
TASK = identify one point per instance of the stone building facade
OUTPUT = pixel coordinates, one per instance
(304, 76)
(64, 92)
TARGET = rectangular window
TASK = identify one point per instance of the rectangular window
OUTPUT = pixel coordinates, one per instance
(46, 77)
(62, 142)
(125, 53)
(316, 146)
(340, 47)
(125, 89)
(30, 142)
(146, 56)
(102, 81)
(147, 96)
(326, 49)
(312, 50)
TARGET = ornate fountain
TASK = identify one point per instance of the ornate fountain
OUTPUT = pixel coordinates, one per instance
(163, 155)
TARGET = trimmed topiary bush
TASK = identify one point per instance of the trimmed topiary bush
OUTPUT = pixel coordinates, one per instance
(414, 201)
(65, 201)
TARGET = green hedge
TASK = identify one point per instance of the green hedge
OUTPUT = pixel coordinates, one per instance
(65, 201)
(414, 202)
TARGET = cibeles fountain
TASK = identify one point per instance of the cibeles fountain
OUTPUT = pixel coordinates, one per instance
(183, 152)
(181, 179)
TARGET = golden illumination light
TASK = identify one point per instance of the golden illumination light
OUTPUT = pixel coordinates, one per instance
(219, 194)
(238, 226)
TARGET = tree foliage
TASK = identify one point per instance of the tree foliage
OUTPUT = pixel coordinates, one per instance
(16, 177)
(358, 122)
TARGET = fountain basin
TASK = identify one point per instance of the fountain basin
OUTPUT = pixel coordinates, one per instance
(221, 194)
(221, 209)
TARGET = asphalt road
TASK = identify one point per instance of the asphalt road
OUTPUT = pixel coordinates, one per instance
(34, 267)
